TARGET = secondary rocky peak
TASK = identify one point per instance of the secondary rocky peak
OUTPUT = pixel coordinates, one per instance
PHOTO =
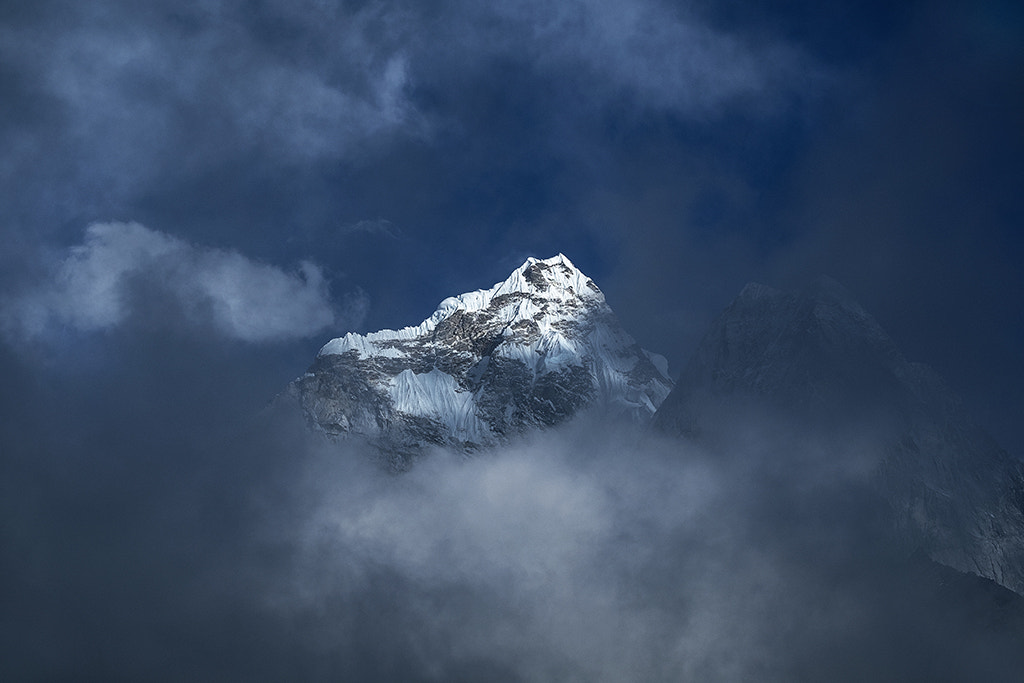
(817, 362)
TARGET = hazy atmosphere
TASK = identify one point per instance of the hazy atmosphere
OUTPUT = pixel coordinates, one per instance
(197, 196)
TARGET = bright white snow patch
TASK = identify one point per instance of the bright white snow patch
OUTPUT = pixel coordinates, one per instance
(437, 395)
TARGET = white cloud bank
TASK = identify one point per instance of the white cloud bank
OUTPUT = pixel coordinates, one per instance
(98, 285)
(589, 552)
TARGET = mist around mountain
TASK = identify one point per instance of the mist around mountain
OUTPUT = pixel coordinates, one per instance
(250, 547)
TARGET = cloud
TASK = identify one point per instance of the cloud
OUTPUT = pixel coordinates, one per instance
(150, 540)
(133, 95)
(138, 76)
(102, 282)
(657, 56)
(590, 553)
(114, 103)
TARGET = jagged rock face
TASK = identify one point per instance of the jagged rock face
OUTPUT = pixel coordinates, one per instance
(531, 351)
(818, 359)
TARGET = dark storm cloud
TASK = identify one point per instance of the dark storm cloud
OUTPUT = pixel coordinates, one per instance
(143, 68)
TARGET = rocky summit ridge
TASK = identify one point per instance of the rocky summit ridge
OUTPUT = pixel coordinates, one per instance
(531, 351)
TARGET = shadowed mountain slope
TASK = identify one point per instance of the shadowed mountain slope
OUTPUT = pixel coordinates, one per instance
(817, 363)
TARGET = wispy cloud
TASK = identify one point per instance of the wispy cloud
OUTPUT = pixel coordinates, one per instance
(97, 286)
(311, 82)
(139, 89)
(654, 54)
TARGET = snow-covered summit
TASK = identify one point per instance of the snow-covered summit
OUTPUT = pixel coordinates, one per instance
(530, 351)
(554, 280)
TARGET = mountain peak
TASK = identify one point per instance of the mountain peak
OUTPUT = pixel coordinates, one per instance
(554, 277)
(530, 351)
(557, 259)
